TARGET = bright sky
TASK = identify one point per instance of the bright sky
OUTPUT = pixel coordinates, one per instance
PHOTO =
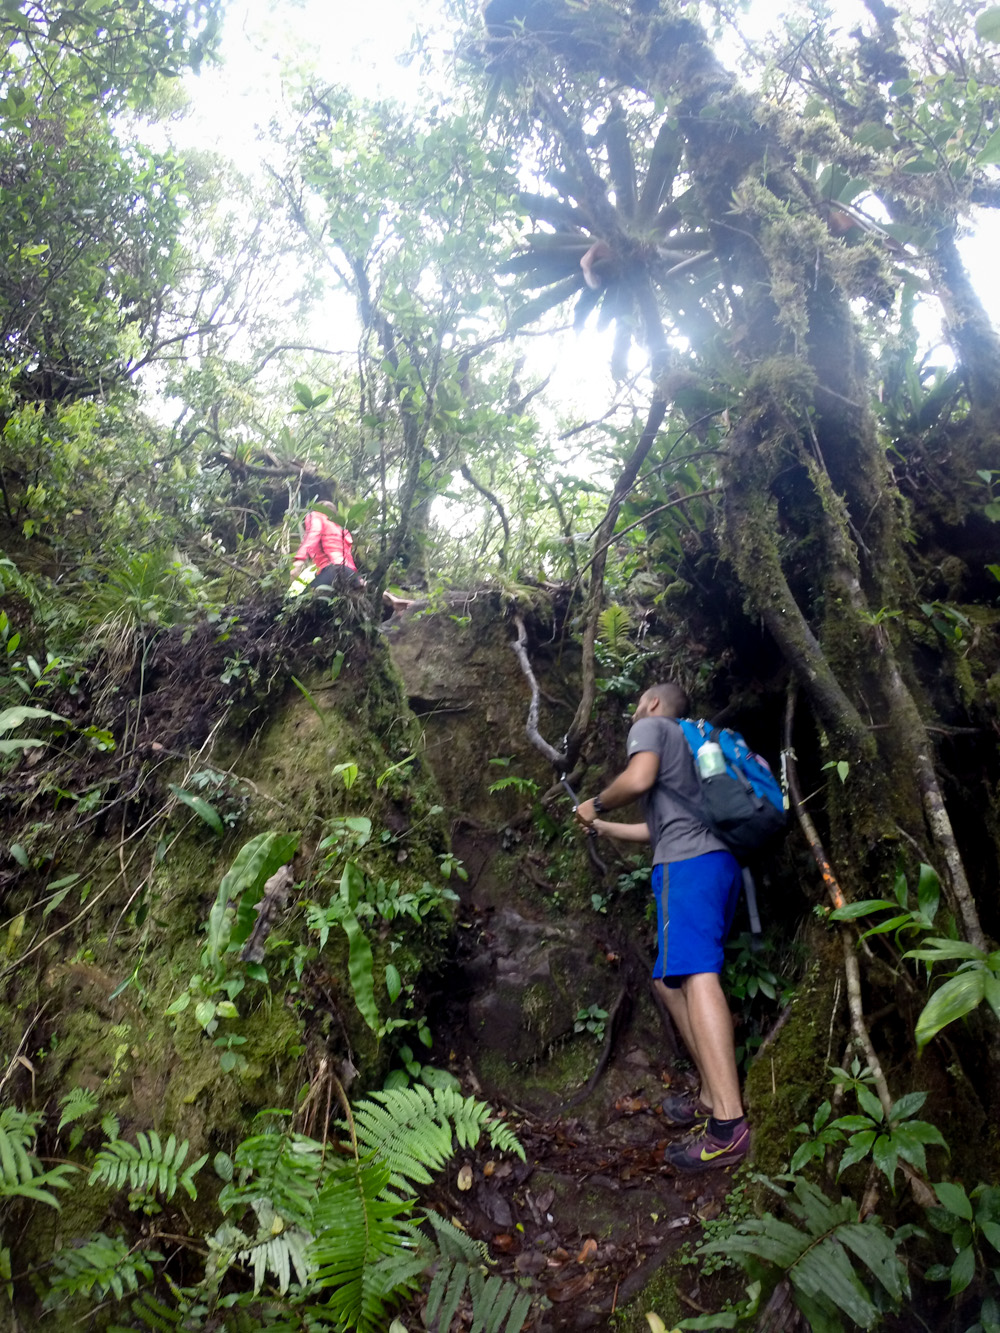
(360, 45)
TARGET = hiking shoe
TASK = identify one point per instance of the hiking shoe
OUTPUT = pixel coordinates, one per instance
(705, 1152)
(684, 1109)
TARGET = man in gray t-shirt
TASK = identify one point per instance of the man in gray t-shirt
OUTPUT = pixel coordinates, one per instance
(696, 882)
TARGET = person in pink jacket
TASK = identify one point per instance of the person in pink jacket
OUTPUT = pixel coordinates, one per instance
(328, 547)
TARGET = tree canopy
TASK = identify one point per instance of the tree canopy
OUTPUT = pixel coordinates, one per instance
(789, 499)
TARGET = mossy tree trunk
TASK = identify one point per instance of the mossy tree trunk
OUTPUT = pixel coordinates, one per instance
(814, 526)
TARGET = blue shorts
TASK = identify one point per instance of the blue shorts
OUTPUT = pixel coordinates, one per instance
(695, 902)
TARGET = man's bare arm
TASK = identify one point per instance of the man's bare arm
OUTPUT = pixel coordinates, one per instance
(640, 774)
(623, 832)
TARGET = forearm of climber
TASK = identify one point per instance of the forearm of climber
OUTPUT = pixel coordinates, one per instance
(634, 780)
(622, 832)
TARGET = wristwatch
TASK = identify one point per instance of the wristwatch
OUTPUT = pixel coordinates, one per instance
(599, 807)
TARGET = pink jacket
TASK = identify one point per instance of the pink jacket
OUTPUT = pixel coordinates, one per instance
(325, 543)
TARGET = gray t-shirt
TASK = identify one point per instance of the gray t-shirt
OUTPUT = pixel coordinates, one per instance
(674, 832)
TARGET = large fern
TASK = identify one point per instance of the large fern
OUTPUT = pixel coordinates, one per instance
(285, 1169)
(151, 1167)
(100, 1265)
(412, 1129)
(368, 1248)
(497, 1306)
(21, 1173)
(818, 1255)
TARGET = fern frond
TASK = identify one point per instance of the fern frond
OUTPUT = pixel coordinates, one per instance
(282, 1168)
(151, 1167)
(150, 1314)
(816, 1256)
(364, 1252)
(276, 1249)
(75, 1105)
(101, 1265)
(412, 1129)
(21, 1173)
(498, 1306)
(615, 623)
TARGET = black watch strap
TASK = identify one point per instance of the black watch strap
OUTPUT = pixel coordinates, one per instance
(599, 806)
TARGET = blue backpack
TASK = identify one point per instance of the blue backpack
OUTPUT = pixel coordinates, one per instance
(744, 807)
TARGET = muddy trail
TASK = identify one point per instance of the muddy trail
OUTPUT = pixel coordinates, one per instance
(590, 1215)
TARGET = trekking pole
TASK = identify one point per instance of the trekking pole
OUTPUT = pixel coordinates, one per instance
(595, 860)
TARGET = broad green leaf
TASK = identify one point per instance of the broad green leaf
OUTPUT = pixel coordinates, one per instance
(989, 154)
(360, 968)
(941, 951)
(928, 891)
(988, 24)
(852, 910)
(393, 982)
(908, 1105)
(954, 1000)
(200, 806)
(19, 855)
(954, 1198)
(885, 1156)
(870, 1104)
(963, 1270)
(877, 1251)
(858, 1149)
(12, 718)
(204, 1012)
(255, 862)
(825, 1273)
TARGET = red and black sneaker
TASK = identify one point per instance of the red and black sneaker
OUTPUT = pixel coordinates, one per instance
(706, 1151)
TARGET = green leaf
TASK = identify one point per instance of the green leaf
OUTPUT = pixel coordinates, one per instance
(954, 1000)
(360, 967)
(19, 855)
(954, 1198)
(858, 1148)
(963, 1270)
(885, 1157)
(255, 862)
(908, 1105)
(12, 718)
(204, 1012)
(870, 1104)
(988, 24)
(850, 911)
(393, 982)
(200, 806)
(928, 891)
(989, 154)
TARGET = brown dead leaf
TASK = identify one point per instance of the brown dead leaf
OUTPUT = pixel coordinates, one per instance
(568, 1291)
(587, 1251)
(631, 1105)
(506, 1244)
(558, 1257)
(710, 1210)
(489, 1168)
(465, 1177)
(530, 1264)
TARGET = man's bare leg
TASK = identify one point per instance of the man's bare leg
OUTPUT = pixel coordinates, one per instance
(673, 997)
(711, 1026)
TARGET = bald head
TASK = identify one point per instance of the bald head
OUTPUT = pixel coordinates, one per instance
(663, 700)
